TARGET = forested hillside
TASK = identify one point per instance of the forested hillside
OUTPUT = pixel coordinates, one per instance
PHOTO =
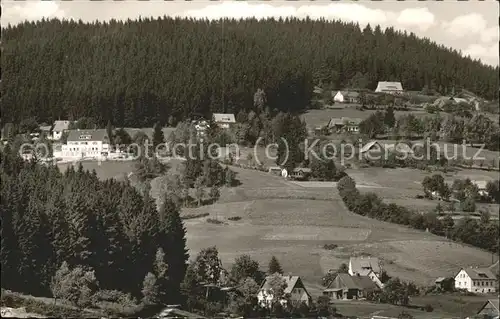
(137, 72)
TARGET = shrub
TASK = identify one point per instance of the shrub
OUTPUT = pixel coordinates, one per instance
(234, 218)
(214, 221)
(330, 246)
(191, 216)
(428, 308)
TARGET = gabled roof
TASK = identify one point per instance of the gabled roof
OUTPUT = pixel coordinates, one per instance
(494, 303)
(45, 128)
(354, 282)
(479, 273)
(177, 313)
(343, 120)
(291, 282)
(359, 264)
(459, 100)
(389, 86)
(60, 126)
(224, 118)
(88, 135)
(347, 93)
(369, 146)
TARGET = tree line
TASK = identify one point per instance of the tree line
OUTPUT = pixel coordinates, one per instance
(135, 73)
(466, 230)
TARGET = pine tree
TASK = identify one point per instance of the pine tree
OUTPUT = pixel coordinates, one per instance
(158, 137)
(274, 266)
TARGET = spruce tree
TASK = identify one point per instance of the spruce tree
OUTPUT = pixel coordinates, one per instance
(158, 137)
(274, 266)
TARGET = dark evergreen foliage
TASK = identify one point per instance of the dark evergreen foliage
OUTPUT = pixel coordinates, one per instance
(136, 73)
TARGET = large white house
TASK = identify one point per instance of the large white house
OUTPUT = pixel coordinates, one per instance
(389, 87)
(86, 144)
(224, 120)
(477, 280)
(295, 289)
(59, 128)
(346, 97)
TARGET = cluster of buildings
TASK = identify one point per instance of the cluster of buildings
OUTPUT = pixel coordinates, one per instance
(351, 96)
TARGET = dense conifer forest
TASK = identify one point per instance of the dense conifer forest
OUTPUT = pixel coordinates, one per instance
(135, 73)
(52, 220)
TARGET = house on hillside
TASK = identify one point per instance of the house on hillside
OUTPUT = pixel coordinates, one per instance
(346, 97)
(400, 148)
(300, 173)
(45, 130)
(363, 265)
(59, 128)
(295, 290)
(343, 125)
(346, 287)
(477, 280)
(86, 144)
(372, 150)
(224, 120)
(490, 309)
(481, 186)
(389, 88)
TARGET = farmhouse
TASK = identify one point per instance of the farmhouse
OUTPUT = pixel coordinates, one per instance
(294, 288)
(346, 97)
(86, 144)
(343, 124)
(389, 87)
(45, 129)
(362, 266)
(400, 148)
(300, 173)
(59, 128)
(345, 286)
(477, 280)
(224, 120)
(490, 309)
(372, 148)
(481, 186)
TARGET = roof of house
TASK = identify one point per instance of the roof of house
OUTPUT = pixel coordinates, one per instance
(368, 146)
(291, 282)
(224, 118)
(303, 169)
(177, 313)
(492, 302)
(460, 100)
(357, 264)
(45, 128)
(347, 93)
(355, 282)
(389, 86)
(480, 184)
(61, 126)
(494, 268)
(88, 135)
(343, 120)
(440, 279)
(479, 273)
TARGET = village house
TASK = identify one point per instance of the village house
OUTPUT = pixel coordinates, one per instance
(481, 186)
(477, 280)
(343, 125)
(400, 148)
(300, 173)
(59, 128)
(347, 287)
(362, 266)
(346, 97)
(86, 144)
(372, 150)
(389, 87)
(489, 310)
(45, 130)
(295, 290)
(224, 120)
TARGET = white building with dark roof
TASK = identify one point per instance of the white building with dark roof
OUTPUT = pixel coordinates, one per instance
(224, 120)
(86, 144)
(295, 289)
(59, 128)
(362, 266)
(477, 280)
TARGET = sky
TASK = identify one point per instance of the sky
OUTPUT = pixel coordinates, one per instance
(468, 26)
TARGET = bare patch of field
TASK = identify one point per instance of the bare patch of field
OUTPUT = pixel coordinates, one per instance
(317, 233)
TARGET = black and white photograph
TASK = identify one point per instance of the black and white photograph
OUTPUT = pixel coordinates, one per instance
(250, 159)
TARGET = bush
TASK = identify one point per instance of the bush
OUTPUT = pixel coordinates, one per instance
(214, 221)
(428, 308)
(191, 216)
(330, 246)
(234, 218)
